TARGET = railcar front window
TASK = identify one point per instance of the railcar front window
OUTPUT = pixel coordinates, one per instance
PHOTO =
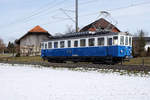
(42, 45)
(55, 44)
(121, 40)
(82, 42)
(62, 44)
(69, 43)
(100, 41)
(75, 43)
(49, 44)
(115, 40)
(109, 41)
(45, 45)
(130, 41)
(126, 41)
(91, 42)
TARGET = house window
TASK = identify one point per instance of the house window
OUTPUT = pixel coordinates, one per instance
(45, 45)
(121, 40)
(76, 43)
(62, 44)
(55, 44)
(91, 42)
(100, 41)
(69, 43)
(115, 40)
(126, 41)
(82, 42)
(49, 44)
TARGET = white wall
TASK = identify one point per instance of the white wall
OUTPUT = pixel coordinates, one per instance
(147, 45)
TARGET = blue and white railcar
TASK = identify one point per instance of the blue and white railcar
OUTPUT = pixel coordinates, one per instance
(88, 46)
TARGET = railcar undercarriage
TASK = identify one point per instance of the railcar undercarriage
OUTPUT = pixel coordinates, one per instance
(95, 60)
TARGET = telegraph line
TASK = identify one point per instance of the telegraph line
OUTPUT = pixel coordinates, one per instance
(94, 13)
(87, 2)
(37, 12)
(120, 8)
(129, 6)
(54, 6)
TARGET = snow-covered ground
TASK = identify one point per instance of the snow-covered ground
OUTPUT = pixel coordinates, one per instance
(28, 83)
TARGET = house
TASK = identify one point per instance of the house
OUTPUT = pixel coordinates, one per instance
(147, 39)
(100, 24)
(29, 44)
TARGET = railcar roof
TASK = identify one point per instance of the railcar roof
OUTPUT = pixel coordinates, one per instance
(86, 34)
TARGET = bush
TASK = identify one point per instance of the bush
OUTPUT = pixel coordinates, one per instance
(18, 55)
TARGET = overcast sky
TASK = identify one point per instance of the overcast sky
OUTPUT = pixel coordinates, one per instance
(19, 16)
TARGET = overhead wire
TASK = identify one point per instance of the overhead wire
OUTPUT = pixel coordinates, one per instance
(119, 8)
(38, 11)
(47, 9)
(94, 13)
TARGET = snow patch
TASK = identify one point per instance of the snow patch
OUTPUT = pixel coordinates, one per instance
(25, 82)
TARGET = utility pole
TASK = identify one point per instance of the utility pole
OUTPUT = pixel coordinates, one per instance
(76, 14)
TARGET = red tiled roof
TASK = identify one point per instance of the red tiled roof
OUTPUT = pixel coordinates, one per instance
(38, 29)
(101, 23)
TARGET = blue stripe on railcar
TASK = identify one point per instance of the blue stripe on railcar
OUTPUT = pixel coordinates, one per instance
(114, 51)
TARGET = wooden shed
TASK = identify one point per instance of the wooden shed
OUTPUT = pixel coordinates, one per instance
(100, 24)
(29, 43)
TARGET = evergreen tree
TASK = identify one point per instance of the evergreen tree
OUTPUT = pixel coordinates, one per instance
(2, 46)
(11, 47)
(141, 44)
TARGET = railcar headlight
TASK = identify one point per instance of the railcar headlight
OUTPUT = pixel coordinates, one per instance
(130, 51)
(121, 51)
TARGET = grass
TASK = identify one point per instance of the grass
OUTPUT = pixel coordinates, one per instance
(138, 61)
(22, 59)
(27, 59)
(5, 55)
(134, 61)
(8, 57)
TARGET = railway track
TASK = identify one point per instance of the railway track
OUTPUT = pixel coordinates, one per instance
(85, 65)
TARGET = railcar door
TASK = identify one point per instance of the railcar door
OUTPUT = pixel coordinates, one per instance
(109, 41)
(109, 46)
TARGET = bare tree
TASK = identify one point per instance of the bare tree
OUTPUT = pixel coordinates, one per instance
(58, 34)
(70, 29)
(139, 44)
(2, 46)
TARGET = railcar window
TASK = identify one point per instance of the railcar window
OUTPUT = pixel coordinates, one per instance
(130, 41)
(75, 43)
(109, 41)
(42, 45)
(82, 42)
(121, 40)
(62, 44)
(100, 41)
(115, 40)
(45, 45)
(49, 44)
(69, 43)
(91, 42)
(55, 44)
(126, 41)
